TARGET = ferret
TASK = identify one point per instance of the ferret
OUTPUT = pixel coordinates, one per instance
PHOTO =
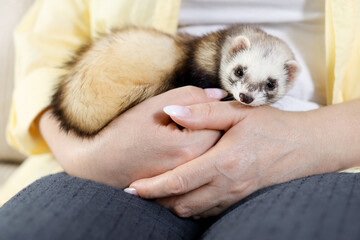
(122, 69)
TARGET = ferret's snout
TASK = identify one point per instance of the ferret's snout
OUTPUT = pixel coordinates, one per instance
(247, 99)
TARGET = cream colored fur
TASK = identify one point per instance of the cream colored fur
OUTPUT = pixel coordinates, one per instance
(112, 73)
(126, 67)
(205, 53)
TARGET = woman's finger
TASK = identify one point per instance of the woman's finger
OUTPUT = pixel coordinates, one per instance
(188, 95)
(209, 115)
(178, 181)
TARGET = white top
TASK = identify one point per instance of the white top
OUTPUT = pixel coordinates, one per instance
(300, 23)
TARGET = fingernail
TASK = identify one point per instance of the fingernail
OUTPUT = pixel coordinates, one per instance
(131, 191)
(216, 93)
(177, 111)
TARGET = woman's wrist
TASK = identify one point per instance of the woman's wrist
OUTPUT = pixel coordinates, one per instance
(68, 149)
(327, 139)
(337, 131)
(80, 157)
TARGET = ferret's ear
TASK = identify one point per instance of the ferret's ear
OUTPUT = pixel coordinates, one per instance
(239, 43)
(293, 69)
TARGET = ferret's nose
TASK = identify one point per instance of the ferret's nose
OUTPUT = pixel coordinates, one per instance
(245, 98)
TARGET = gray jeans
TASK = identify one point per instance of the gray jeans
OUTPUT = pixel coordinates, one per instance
(64, 207)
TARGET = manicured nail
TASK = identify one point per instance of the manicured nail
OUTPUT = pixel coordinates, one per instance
(131, 191)
(215, 93)
(177, 111)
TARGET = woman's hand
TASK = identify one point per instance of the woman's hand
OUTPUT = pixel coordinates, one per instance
(261, 147)
(142, 142)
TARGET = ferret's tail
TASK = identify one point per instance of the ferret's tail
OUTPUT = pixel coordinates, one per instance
(114, 74)
(87, 110)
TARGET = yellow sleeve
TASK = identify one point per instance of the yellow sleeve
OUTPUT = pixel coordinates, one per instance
(343, 50)
(44, 39)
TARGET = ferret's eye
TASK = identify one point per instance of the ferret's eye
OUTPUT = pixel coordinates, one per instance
(239, 72)
(271, 84)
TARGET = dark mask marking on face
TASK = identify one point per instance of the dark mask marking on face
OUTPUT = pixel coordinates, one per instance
(270, 96)
(256, 87)
(232, 81)
(271, 84)
(253, 87)
(239, 71)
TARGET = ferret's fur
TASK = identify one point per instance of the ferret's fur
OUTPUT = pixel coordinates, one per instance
(130, 65)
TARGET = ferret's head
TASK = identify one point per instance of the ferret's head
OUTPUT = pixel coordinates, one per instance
(258, 72)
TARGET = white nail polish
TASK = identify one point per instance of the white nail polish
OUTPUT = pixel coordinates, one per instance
(131, 191)
(215, 93)
(177, 111)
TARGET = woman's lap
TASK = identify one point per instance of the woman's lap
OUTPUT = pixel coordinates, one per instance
(317, 207)
(63, 207)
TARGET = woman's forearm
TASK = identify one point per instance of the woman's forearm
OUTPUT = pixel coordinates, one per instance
(338, 130)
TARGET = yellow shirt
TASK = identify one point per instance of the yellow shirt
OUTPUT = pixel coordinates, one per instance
(52, 29)
(343, 50)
